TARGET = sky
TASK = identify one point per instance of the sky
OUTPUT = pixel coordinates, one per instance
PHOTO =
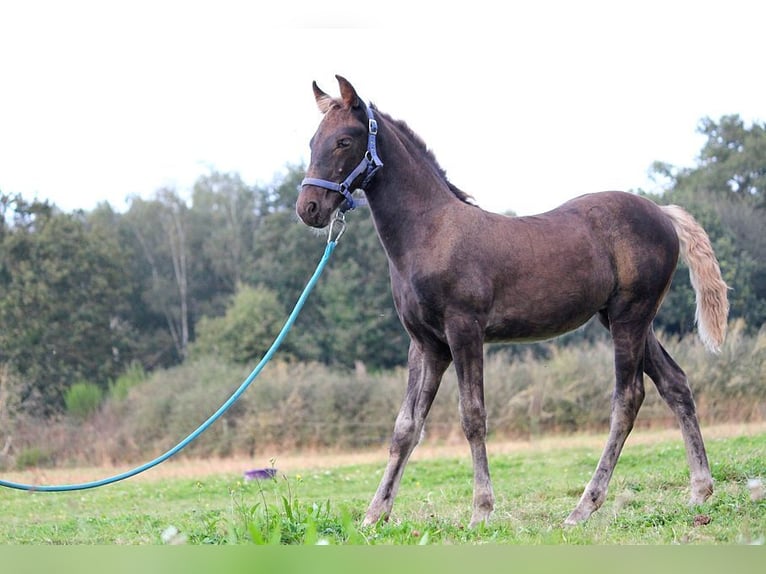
(525, 104)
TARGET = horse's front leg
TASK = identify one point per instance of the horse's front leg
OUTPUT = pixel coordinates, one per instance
(426, 368)
(467, 346)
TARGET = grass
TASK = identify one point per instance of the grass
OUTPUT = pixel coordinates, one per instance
(535, 490)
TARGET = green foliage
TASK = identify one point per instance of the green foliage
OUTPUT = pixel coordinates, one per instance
(350, 316)
(33, 457)
(82, 399)
(277, 516)
(223, 215)
(83, 295)
(726, 192)
(734, 157)
(248, 328)
(133, 376)
(62, 291)
(731, 161)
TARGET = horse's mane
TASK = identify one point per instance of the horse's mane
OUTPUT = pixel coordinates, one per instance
(428, 154)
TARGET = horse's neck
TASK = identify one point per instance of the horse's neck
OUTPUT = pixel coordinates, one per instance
(404, 205)
(405, 193)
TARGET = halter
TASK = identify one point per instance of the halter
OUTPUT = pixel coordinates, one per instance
(369, 165)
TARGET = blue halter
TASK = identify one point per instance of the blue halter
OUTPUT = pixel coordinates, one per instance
(369, 165)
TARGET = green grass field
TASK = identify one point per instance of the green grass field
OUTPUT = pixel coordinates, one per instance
(535, 490)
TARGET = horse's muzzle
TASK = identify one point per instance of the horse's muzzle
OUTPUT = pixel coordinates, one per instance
(315, 208)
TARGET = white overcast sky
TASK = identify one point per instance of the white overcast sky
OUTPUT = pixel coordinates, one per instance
(525, 104)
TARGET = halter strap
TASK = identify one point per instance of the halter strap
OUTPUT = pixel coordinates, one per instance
(369, 165)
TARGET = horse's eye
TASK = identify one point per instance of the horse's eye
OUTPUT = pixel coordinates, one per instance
(344, 143)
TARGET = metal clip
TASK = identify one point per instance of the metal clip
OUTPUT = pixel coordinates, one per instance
(373, 127)
(338, 223)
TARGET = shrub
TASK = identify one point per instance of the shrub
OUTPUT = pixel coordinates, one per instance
(306, 406)
(33, 457)
(131, 377)
(82, 399)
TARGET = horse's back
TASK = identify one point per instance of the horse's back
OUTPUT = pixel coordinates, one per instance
(625, 224)
(641, 238)
(563, 266)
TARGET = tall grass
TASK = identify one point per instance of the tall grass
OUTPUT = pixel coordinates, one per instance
(307, 406)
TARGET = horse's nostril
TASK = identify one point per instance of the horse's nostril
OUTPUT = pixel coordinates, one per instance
(312, 207)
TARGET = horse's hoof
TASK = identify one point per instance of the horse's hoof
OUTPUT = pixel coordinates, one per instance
(701, 492)
(577, 516)
(480, 518)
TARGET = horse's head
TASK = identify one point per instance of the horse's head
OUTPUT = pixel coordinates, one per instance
(341, 140)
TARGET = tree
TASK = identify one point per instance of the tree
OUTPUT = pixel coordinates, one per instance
(734, 157)
(147, 337)
(732, 160)
(350, 316)
(62, 287)
(726, 192)
(160, 227)
(223, 218)
(246, 331)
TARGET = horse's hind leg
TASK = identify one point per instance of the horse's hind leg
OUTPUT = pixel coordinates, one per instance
(626, 400)
(425, 373)
(674, 389)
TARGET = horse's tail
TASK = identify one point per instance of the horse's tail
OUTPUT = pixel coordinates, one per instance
(705, 274)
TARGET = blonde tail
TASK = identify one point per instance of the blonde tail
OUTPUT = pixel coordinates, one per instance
(709, 287)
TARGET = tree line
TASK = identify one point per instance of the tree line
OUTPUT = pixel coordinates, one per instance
(86, 295)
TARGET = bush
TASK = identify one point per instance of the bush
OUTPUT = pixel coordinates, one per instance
(133, 376)
(310, 406)
(82, 399)
(33, 457)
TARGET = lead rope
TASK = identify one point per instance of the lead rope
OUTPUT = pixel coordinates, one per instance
(336, 229)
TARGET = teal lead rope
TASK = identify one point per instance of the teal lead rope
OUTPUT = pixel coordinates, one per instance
(338, 225)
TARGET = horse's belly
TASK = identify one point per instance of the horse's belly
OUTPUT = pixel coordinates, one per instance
(525, 331)
(541, 320)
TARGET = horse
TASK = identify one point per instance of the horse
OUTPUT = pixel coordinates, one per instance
(462, 277)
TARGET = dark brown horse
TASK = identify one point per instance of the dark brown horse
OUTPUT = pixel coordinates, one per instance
(461, 277)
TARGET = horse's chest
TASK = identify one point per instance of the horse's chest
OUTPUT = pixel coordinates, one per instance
(418, 301)
(430, 300)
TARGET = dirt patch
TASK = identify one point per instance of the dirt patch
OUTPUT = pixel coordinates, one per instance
(292, 462)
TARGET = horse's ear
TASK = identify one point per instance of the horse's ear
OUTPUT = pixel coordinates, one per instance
(347, 93)
(323, 100)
